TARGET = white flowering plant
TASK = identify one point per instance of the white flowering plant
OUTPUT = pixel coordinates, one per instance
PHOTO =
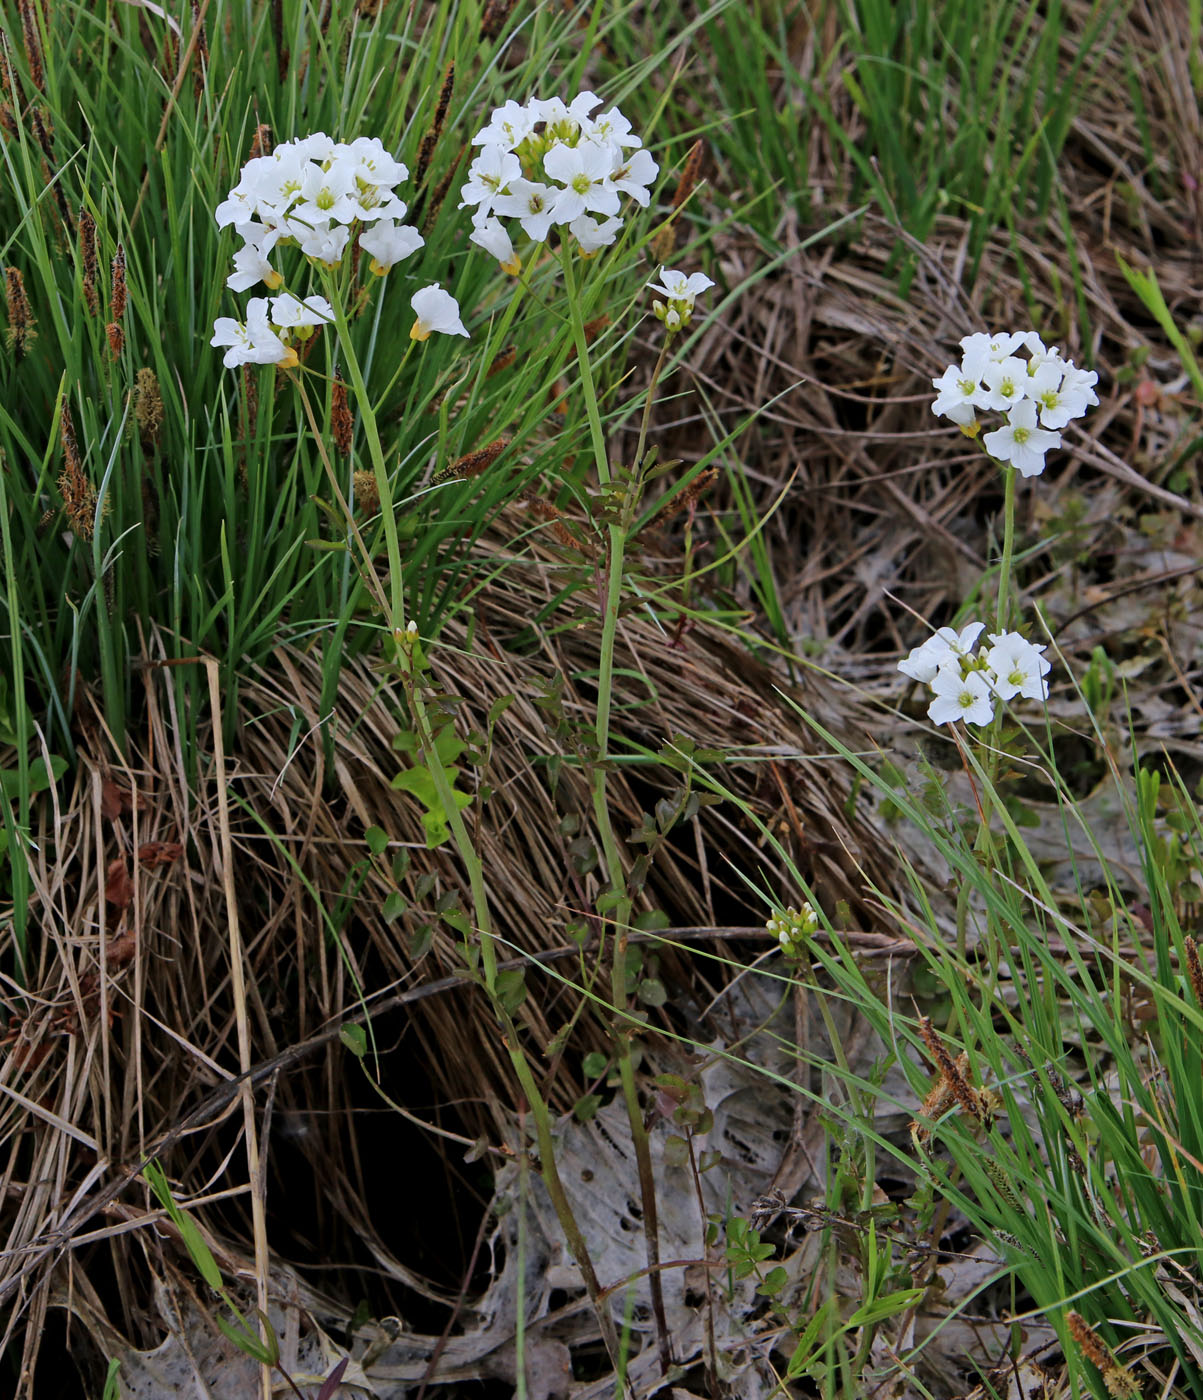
(553, 165)
(1037, 390)
(325, 198)
(965, 684)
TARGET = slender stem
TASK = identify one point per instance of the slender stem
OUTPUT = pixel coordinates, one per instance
(376, 452)
(620, 911)
(1004, 568)
(409, 666)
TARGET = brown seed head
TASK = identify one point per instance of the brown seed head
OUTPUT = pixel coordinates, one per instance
(116, 337)
(250, 394)
(970, 1101)
(552, 516)
(1193, 967)
(665, 242)
(7, 80)
(503, 361)
(473, 463)
(440, 190)
(261, 143)
(492, 22)
(435, 129)
(117, 285)
(200, 54)
(342, 425)
(22, 328)
(1119, 1381)
(33, 43)
(87, 259)
(148, 408)
(366, 493)
(78, 493)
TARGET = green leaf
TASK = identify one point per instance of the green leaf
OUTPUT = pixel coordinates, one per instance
(651, 992)
(395, 904)
(355, 1038)
(593, 1066)
(377, 839)
(497, 709)
(773, 1282)
(586, 1107)
(511, 988)
(878, 1309)
(676, 1151)
(39, 778)
(199, 1252)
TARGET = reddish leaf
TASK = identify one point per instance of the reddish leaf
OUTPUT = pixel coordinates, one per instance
(112, 799)
(118, 888)
(159, 853)
(121, 949)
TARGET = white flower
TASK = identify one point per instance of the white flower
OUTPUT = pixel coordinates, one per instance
(1075, 394)
(250, 268)
(1018, 667)
(324, 244)
(492, 237)
(489, 176)
(532, 204)
(373, 165)
(1006, 382)
(327, 196)
(584, 171)
(959, 696)
(682, 292)
(252, 342)
(576, 114)
(959, 396)
(635, 175)
(592, 235)
(980, 349)
(508, 127)
(1020, 441)
(436, 310)
(290, 311)
(613, 127)
(387, 242)
(946, 644)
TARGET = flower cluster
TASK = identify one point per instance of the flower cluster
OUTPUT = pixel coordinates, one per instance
(681, 292)
(548, 165)
(792, 927)
(993, 375)
(316, 192)
(265, 337)
(965, 684)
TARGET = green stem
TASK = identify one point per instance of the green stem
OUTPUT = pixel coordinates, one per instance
(410, 672)
(620, 911)
(376, 453)
(1004, 568)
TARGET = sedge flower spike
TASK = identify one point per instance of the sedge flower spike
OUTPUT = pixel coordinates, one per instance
(1014, 373)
